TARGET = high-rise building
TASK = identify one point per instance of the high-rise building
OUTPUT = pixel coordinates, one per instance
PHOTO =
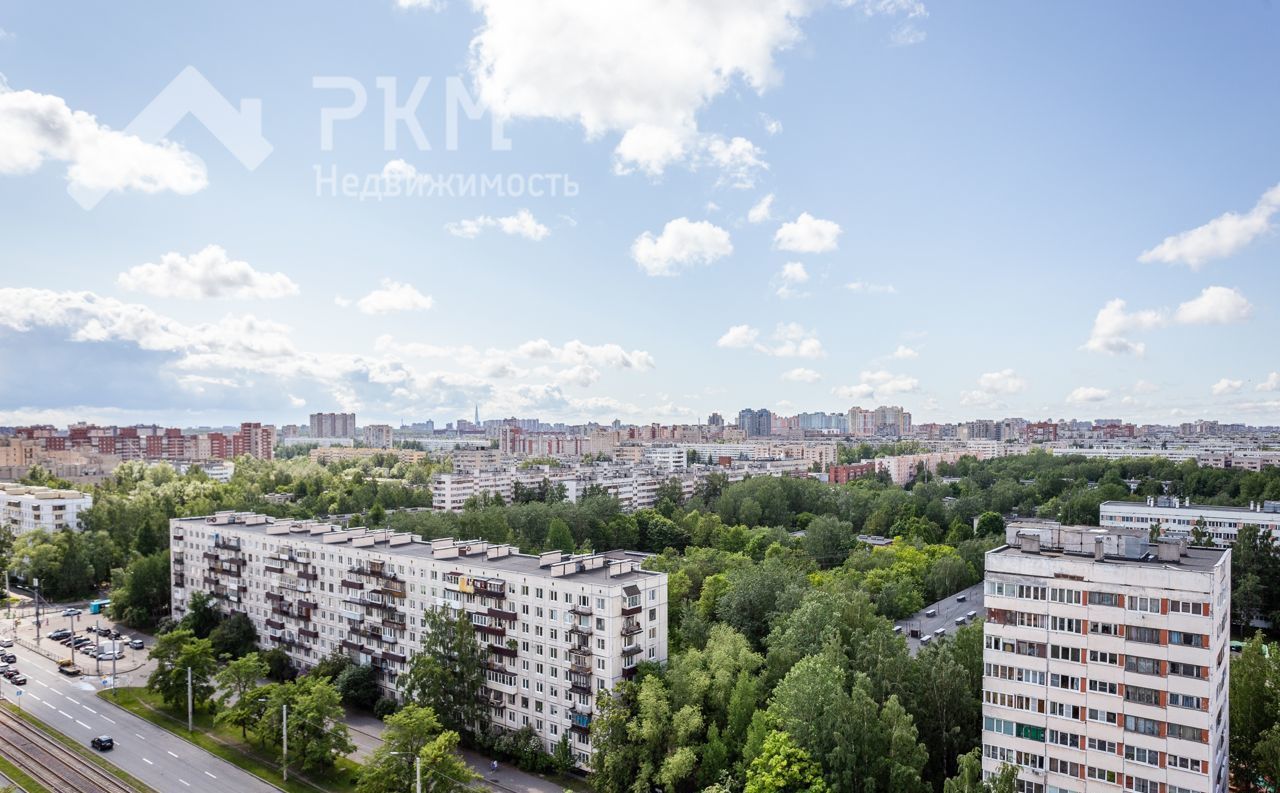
(377, 435)
(557, 629)
(755, 423)
(333, 425)
(715, 420)
(862, 423)
(1105, 661)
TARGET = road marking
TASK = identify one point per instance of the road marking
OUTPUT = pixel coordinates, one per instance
(64, 713)
(108, 718)
(91, 710)
(73, 699)
(183, 781)
(82, 724)
(148, 762)
(41, 682)
(171, 754)
(211, 776)
(139, 737)
(36, 697)
(50, 704)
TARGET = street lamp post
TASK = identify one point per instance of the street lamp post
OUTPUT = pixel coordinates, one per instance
(284, 741)
(71, 648)
(189, 709)
(35, 586)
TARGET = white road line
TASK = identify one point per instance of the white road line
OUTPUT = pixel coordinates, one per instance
(64, 713)
(211, 776)
(82, 724)
(148, 762)
(73, 699)
(171, 754)
(91, 710)
(50, 704)
(108, 718)
(183, 781)
(36, 697)
(41, 682)
(139, 737)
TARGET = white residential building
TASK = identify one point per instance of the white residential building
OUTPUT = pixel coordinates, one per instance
(558, 628)
(377, 435)
(1106, 663)
(25, 508)
(1177, 517)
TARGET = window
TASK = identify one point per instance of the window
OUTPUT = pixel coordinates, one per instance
(1149, 605)
(1187, 670)
(1066, 625)
(1186, 639)
(1135, 633)
(1103, 687)
(1099, 657)
(1104, 716)
(1186, 733)
(1104, 599)
(1141, 785)
(1064, 738)
(1101, 774)
(1141, 725)
(1064, 653)
(1071, 596)
(1186, 764)
(1186, 701)
(1188, 607)
(1105, 629)
(1142, 696)
(1143, 666)
(1064, 681)
(1099, 745)
(1140, 755)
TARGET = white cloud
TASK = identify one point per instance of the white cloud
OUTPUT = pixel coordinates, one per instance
(1226, 386)
(394, 296)
(904, 353)
(426, 5)
(297, 401)
(789, 277)
(683, 243)
(37, 127)
(761, 211)
(522, 224)
(738, 336)
(1216, 305)
(1085, 394)
(771, 125)
(739, 160)
(576, 352)
(801, 375)
(1220, 237)
(1272, 383)
(807, 234)
(210, 273)
(1005, 381)
(4, 34)
(906, 34)
(871, 289)
(1113, 326)
(878, 384)
(1144, 387)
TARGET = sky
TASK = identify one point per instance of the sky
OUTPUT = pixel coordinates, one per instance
(645, 211)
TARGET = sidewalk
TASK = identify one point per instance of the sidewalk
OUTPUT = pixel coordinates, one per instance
(366, 731)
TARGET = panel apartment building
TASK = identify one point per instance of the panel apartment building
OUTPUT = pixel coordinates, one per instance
(558, 628)
(1106, 663)
(1178, 516)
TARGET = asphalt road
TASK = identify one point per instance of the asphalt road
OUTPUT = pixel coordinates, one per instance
(160, 759)
(949, 610)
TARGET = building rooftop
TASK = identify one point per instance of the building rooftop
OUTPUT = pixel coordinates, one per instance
(1171, 502)
(1128, 546)
(612, 567)
(1196, 558)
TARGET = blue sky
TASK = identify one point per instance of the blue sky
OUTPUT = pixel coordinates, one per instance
(990, 179)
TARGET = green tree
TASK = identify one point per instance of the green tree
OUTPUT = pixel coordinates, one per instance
(140, 592)
(174, 653)
(234, 637)
(415, 732)
(358, 686)
(783, 767)
(969, 777)
(448, 675)
(317, 733)
(1255, 706)
(202, 615)
(990, 524)
(559, 537)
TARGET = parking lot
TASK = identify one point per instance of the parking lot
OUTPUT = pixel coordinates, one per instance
(95, 632)
(943, 616)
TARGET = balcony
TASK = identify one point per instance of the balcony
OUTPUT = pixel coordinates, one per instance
(211, 581)
(351, 614)
(310, 605)
(349, 584)
(629, 672)
(274, 569)
(580, 686)
(580, 668)
(276, 596)
(308, 633)
(578, 648)
(631, 611)
(634, 649)
(580, 722)
(395, 621)
(581, 630)
(210, 555)
(177, 535)
(491, 630)
(503, 650)
(502, 614)
(580, 610)
(276, 624)
(631, 628)
(307, 575)
(389, 655)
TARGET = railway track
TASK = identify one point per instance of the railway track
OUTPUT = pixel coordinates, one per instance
(51, 763)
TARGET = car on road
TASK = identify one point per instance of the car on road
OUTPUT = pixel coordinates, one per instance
(81, 641)
(103, 743)
(11, 672)
(73, 612)
(9, 658)
(70, 670)
(961, 598)
(135, 644)
(18, 680)
(6, 642)
(115, 634)
(59, 634)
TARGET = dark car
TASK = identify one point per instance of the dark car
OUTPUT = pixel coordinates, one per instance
(82, 641)
(59, 634)
(115, 634)
(135, 644)
(9, 658)
(104, 631)
(11, 672)
(103, 743)
(18, 680)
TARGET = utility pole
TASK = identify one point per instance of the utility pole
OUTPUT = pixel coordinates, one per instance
(113, 673)
(35, 585)
(189, 724)
(417, 774)
(284, 741)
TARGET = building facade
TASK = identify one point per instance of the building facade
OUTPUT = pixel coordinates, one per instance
(559, 629)
(1177, 517)
(1106, 662)
(755, 423)
(25, 508)
(333, 425)
(377, 435)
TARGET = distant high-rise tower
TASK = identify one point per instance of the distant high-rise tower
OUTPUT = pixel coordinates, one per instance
(477, 414)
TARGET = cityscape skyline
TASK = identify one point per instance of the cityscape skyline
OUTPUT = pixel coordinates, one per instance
(976, 230)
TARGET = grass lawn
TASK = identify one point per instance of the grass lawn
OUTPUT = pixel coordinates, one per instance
(226, 743)
(76, 747)
(17, 777)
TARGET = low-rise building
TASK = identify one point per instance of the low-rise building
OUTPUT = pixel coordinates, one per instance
(1177, 517)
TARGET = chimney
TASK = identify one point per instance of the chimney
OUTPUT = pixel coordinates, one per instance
(1099, 550)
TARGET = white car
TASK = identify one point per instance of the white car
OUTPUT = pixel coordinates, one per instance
(6, 642)
(71, 612)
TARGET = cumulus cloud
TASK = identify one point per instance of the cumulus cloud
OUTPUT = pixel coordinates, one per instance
(643, 70)
(771, 125)
(807, 234)
(521, 224)
(1226, 386)
(209, 273)
(1216, 305)
(878, 384)
(992, 386)
(297, 401)
(905, 353)
(1086, 394)
(424, 5)
(801, 375)
(1220, 237)
(739, 160)
(788, 340)
(738, 336)
(394, 296)
(761, 211)
(682, 244)
(906, 34)
(870, 289)
(1114, 325)
(36, 127)
(1272, 383)
(792, 275)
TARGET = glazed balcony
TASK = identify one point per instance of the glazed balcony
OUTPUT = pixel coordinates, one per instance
(227, 544)
(580, 610)
(491, 630)
(347, 583)
(503, 650)
(631, 627)
(308, 633)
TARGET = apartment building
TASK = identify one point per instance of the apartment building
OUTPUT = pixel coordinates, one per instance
(1176, 517)
(332, 425)
(377, 435)
(1106, 663)
(558, 628)
(25, 508)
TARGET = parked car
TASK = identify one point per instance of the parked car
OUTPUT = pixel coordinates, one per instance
(72, 612)
(81, 641)
(104, 631)
(11, 672)
(18, 680)
(135, 644)
(115, 634)
(8, 658)
(6, 642)
(59, 634)
(103, 743)
(110, 655)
